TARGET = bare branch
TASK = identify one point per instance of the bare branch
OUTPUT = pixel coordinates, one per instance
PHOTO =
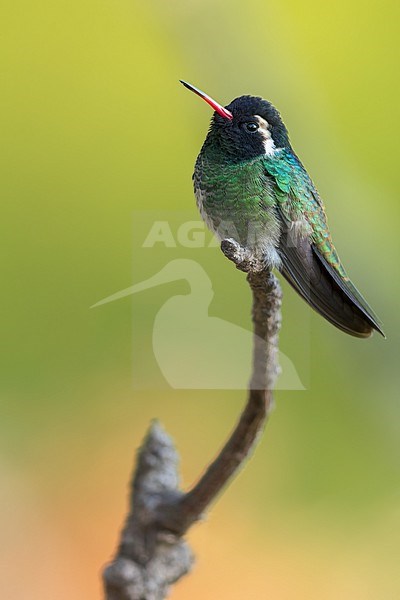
(152, 554)
(149, 558)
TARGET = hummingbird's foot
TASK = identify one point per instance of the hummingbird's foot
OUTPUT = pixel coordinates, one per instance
(243, 258)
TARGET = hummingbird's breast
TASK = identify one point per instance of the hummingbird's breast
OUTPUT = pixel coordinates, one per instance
(237, 201)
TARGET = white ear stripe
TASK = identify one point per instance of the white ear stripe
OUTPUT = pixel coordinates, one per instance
(269, 146)
(268, 142)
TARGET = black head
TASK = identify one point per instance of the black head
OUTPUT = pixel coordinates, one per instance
(248, 127)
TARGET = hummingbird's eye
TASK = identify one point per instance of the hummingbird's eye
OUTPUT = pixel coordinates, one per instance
(251, 126)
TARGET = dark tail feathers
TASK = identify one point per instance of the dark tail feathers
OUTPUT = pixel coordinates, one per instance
(332, 297)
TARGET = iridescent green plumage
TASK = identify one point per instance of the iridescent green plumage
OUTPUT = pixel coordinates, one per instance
(234, 196)
(245, 192)
(251, 186)
(298, 199)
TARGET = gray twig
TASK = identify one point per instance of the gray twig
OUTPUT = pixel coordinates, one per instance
(152, 553)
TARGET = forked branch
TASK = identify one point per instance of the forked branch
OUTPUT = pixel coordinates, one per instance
(152, 553)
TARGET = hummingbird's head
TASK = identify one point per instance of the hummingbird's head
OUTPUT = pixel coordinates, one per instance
(247, 128)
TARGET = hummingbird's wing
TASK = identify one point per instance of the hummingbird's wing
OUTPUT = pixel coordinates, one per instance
(309, 260)
(316, 281)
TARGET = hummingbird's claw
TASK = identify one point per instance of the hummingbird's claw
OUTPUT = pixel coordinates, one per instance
(243, 258)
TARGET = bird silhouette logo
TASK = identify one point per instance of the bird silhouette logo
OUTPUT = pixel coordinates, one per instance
(193, 349)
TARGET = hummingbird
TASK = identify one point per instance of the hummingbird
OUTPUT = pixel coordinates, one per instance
(251, 186)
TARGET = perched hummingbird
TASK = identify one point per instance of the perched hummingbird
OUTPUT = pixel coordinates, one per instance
(251, 186)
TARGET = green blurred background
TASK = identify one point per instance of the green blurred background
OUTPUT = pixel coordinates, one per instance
(95, 127)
